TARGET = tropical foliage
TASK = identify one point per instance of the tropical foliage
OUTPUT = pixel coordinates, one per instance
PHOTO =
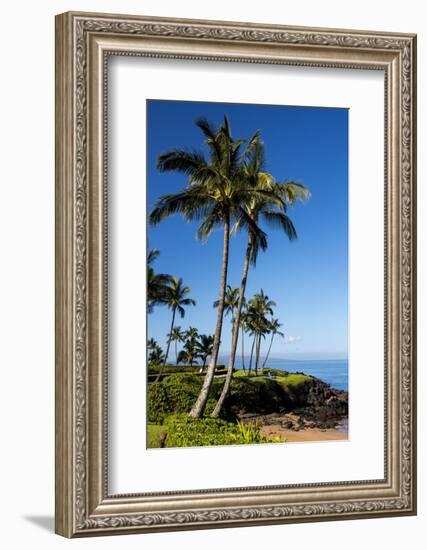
(157, 283)
(204, 348)
(227, 188)
(176, 299)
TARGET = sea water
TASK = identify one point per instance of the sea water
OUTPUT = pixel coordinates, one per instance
(333, 371)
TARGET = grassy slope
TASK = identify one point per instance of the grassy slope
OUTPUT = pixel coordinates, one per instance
(155, 433)
(286, 380)
(245, 392)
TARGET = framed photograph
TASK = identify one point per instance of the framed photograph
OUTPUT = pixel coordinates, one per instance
(235, 274)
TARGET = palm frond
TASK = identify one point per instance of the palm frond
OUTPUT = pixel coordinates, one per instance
(250, 144)
(212, 220)
(281, 221)
(293, 191)
(192, 203)
(188, 302)
(181, 311)
(258, 236)
(210, 133)
(152, 255)
(180, 160)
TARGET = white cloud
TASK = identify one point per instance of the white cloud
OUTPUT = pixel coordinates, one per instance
(292, 339)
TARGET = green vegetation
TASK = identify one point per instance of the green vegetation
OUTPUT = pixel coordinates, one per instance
(181, 430)
(175, 394)
(168, 402)
(156, 435)
(176, 299)
(154, 370)
(228, 189)
(292, 380)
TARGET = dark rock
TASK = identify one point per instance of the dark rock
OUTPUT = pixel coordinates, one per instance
(313, 403)
(287, 424)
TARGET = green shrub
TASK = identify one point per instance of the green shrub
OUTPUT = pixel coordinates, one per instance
(173, 369)
(177, 393)
(184, 431)
(251, 432)
(158, 403)
(255, 395)
(182, 391)
(274, 372)
(156, 436)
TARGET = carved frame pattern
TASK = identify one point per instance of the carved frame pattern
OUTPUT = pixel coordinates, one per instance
(83, 507)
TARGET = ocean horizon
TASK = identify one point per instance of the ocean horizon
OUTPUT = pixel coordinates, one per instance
(331, 371)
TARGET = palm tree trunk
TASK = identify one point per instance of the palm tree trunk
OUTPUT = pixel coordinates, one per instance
(235, 332)
(176, 352)
(200, 404)
(170, 336)
(168, 346)
(268, 352)
(232, 326)
(243, 348)
(258, 349)
(251, 357)
(202, 368)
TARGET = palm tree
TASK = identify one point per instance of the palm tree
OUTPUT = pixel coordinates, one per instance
(151, 343)
(156, 357)
(243, 328)
(204, 348)
(176, 335)
(230, 302)
(273, 328)
(217, 196)
(251, 331)
(176, 299)
(270, 204)
(260, 306)
(192, 333)
(188, 354)
(157, 283)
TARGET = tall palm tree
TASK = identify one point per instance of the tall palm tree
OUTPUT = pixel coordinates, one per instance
(273, 328)
(243, 328)
(230, 302)
(269, 204)
(157, 283)
(176, 301)
(204, 348)
(217, 196)
(250, 328)
(260, 307)
(177, 335)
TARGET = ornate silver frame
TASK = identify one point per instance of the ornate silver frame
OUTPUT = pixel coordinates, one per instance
(83, 505)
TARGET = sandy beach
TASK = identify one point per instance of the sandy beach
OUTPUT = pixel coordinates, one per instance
(303, 435)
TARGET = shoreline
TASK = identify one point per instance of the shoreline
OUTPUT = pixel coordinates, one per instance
(277, 426)
(304, 435)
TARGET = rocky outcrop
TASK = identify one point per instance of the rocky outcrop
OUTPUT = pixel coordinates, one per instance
(324, 405)
(312, 404)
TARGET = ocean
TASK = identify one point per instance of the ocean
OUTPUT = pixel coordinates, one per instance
(333, 372)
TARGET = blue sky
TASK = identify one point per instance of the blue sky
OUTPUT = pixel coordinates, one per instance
(307, 278)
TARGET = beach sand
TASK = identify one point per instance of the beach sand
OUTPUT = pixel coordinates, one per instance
(307, 434)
